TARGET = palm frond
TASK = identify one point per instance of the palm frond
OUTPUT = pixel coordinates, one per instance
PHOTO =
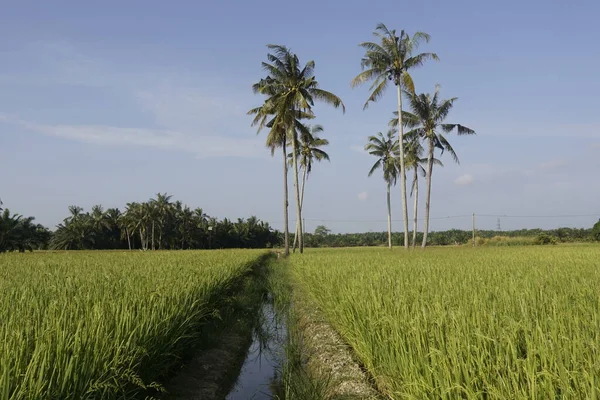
(328, 98)
(444, 142)
(384, 30)
(374, 168)
(407, 82)
(320, 155)
(317, 129)
(367, 75)
(419, 37)
(444, 108)
(414, 183)
(419, 60)
(463, 130)
(409, 119)
(376, 93)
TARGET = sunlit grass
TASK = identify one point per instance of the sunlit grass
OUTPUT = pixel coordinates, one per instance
(104, 324)
(495, 323)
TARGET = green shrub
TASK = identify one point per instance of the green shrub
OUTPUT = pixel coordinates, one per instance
(544, 238)
(596, 231)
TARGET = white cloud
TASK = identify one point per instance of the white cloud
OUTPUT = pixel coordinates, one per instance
(184, 113)
(362, 196)
(463, 180)
(189, 107)
(187, 117)
(553, 164)
(201, 146)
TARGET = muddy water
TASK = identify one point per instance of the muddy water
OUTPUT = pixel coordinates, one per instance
(259, 371)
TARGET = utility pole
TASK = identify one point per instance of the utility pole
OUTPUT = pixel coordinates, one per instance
(473, 229)
(498, 227)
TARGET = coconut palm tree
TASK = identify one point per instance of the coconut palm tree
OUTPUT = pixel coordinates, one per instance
(9, 228)
(98, 224)
(127, 225)
(309, 151)
(162, 209)
(413, 161)
(185, 226)
(276, 138)
(413, 151)
(97, 218)
(75, 232)
(387, 150)
(140, 219)
(427, 122)
(291, 91)
(76, 213)
(390, 60)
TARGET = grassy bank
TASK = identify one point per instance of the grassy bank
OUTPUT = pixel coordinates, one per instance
(317, 365)
(105, 325)
(465, 323)
(211, 368)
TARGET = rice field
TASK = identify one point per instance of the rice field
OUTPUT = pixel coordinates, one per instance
(450, 323)
(91, 325)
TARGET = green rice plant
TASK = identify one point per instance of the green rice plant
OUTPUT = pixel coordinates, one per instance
(464, 323)
(509, 241)
(295, 380)
(91, 325)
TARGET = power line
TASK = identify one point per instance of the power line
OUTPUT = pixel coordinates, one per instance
(537, 216)
(376, 220)
(446, 217)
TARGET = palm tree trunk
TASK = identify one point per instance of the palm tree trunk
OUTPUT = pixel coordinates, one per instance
(301, 204)
(402, 170)
(286, 234)
(416, 205)
(428, 193)
(295, 239)
(301, 207)
(297, 190)
(389, 215)
(128, 238)
(153, 248)
(160, 236)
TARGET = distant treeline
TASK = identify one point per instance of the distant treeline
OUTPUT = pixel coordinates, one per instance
(162, 224)
(451, 237)
(19, 233)
(158, 224)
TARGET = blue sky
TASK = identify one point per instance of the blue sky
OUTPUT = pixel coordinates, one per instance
(114, 101)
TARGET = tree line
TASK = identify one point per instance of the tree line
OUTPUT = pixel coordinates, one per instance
(291, 90)
(162, 224)
(322, 237)
(19, 233)
(157, 224)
